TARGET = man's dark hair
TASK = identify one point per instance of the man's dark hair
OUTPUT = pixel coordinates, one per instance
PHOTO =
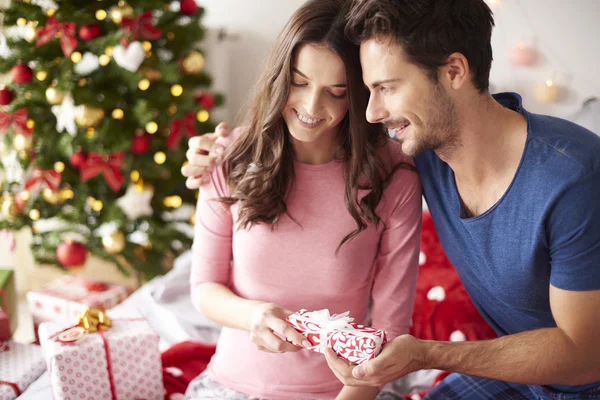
(429, 31)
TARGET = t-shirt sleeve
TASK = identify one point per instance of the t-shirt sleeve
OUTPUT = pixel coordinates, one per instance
(573, 231)
(397, 264)
(211, 251)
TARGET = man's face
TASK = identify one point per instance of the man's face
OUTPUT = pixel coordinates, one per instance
(405, 99)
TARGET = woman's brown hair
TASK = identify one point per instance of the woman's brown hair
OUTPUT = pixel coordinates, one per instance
(260, 163)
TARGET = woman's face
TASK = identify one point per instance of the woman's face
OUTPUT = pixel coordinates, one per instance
(318, 99)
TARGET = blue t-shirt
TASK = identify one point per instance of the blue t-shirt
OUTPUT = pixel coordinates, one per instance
(545, 230)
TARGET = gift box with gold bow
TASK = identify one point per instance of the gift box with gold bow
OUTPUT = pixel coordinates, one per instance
(103, 358)
(20, 366)
(353, 342)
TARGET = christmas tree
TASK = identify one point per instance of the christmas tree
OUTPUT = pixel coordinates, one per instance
(94, 128)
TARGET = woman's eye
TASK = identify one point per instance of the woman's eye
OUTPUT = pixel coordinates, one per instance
(338, 96)
(298, 84)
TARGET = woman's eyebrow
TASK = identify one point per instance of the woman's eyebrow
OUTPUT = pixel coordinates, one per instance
(296, 70)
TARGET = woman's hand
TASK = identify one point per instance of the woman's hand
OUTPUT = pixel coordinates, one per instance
(203, 152)
(268, 319)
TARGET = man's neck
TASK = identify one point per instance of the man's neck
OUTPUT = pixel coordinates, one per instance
(490, 142)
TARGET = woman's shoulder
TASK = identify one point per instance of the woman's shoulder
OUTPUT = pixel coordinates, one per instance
(393, 154)
(404, 183)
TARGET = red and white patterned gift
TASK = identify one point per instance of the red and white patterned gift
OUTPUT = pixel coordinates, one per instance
(353, 342)
(65, 298)
(20, 366)
(120, 363)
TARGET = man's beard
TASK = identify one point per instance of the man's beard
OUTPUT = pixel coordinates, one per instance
(440, 132)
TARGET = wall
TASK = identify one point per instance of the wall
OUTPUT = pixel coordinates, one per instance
(567, 33)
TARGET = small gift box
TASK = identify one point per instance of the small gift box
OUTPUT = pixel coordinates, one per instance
(352, 342)
(8, 304)
(65, 298)
(100, 358)
(20, 366)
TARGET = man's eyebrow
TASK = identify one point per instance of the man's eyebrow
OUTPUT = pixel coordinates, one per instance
(296, 70)
(384, 81)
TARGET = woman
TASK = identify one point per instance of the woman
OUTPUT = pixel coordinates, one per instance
(314, 208)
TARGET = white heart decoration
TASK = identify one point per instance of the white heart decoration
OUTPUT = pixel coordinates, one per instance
(436, 294)
(88, 64)
(131, 57)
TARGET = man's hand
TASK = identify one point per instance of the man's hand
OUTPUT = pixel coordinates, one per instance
(399, 357)
(203, 153)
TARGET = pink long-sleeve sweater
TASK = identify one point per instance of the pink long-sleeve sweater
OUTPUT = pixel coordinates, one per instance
(295, 266)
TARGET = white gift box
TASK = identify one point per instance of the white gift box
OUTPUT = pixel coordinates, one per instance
(121, 363)
(20, 366)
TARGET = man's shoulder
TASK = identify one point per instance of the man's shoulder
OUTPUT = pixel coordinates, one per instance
(564, 142)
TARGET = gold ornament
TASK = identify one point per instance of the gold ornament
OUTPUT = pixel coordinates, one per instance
(114, 243)
(9, 208)
(120, 11)
(54, 95)
(52, 196)
(89, 117)
(41, 75)
(193, 63)
(22, 142)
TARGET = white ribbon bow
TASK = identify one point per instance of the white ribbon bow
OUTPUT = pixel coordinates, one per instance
(330, 323)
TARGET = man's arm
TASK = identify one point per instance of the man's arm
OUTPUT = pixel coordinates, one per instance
(566, 355)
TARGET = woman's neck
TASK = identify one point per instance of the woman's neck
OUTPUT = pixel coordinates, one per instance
(321, 151)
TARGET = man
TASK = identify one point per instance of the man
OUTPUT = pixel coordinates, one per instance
(513, 196)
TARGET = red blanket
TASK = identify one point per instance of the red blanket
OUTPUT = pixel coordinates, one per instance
(443, 311)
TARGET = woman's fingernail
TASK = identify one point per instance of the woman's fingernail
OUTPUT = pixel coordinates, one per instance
(306, 344)
(219, 150)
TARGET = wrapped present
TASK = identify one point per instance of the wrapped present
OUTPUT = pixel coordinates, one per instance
(103, 358)
(5, 331)
(20, 366)
(8, 304)
(352, 342)
(65, 298)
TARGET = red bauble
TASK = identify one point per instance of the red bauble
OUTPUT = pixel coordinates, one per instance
(188, 7)
(89, 32)
(21, 74)
(6, 97)
(206, 100)
(140, 144)
(77, 159)
(71, 254)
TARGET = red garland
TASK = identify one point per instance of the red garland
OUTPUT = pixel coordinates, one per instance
(108, 165)
(139, 26)
(16, 120)
(65, 32)
(185, 125)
